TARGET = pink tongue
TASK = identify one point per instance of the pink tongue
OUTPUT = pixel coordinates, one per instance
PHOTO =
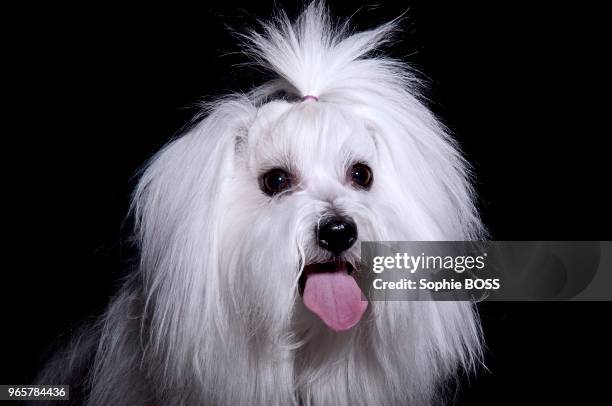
(335, 298)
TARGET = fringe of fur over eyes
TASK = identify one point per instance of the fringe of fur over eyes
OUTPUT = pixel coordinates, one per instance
(186, 328)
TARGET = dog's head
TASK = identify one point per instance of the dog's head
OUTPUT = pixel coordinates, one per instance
(262, 205)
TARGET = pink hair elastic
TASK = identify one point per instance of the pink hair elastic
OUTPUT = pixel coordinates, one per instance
(309, 97)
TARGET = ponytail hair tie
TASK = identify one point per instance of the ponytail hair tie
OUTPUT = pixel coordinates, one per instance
(309, 97)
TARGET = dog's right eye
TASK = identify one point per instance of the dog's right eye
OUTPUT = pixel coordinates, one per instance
(274, 181)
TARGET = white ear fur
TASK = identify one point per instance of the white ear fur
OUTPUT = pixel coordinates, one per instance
(176, 207)
(431, 187)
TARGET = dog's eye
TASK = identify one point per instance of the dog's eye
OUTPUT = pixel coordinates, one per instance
(361, 175)
(275, 181)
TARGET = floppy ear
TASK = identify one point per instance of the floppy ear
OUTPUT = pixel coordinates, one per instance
(432, 188)
(176, 206)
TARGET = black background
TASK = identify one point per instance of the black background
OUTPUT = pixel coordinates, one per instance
(97, 91)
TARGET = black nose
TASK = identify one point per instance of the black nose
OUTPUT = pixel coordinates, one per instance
(337, 234)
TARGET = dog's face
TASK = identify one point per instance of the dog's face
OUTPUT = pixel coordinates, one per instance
(308, 186)
(250, 224)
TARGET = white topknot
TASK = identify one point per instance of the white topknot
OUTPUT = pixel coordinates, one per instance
(314, 56)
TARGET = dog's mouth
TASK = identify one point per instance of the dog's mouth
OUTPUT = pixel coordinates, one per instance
(330, 291)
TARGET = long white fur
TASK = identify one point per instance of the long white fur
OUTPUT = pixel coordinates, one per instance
(212, 315)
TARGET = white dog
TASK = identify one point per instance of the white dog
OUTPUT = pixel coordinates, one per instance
(249, 230)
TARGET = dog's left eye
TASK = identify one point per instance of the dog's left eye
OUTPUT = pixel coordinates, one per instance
(361, 175)
(274, 181)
